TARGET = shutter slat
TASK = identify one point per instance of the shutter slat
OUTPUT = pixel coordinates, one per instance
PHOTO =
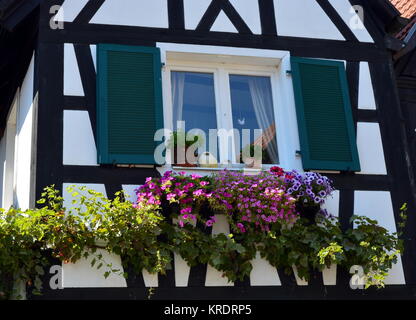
(323, 108)
(130, 107)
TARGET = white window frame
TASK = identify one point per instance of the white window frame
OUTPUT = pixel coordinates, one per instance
(223, 61)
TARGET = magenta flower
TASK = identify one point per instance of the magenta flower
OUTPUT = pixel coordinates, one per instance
(241, 227)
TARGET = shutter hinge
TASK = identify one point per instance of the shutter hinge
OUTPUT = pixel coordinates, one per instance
(298, 153)
(289, 73)
(163, 65)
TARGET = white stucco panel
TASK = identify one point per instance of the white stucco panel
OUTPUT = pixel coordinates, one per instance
(299, 281)
(329, 275)
(79, 144)
(194, 11)
(72, 77)
(182, 271)
(151, 280)
(223, 24)
(214, 277)
(352, 19)
(2, 167)
(377, 205)
(25, 151)
(93, 49)
(366, 98)
(138, 13)
(129, 191)
(332, 204)
(263, 273)
(370, 148)
(304, 18)
(82, 275)
(68, 198)
(250, 13)
(70, 10)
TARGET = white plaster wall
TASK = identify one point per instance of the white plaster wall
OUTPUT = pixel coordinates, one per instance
(377, 205)
(25, 150)
(79, 146)
(299, 281)
(352, 19)
(250, 13)
(223, 24)
(366, 98)
(329, 275)
(141, 13)
(370, 148)
(93, 49)
(194, 11)
(150, 280)
(304, 18)
(2, 166)
(332, 204)
(214, 277)
(9, 165)
(248, 10)
(72, 77)
(263, 273)
(68, 198)
(129, 191)
(70, 10)
(182, 271)
(82, 275)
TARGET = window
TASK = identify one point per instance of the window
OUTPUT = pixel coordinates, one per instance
(237, 99)
(252, 108)
(193, 99)
(294, 112)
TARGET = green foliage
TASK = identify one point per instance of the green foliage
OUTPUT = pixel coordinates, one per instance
(300, 244)
(22, 240)
(145, 239)
(372, 247)
(232, 255)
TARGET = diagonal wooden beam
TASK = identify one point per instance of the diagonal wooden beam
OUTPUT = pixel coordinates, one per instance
(88, 79)
(235, 17)
(337, 20)
(89, 11)
(209, 16)
(214, 10)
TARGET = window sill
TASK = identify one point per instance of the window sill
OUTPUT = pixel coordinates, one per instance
(205, 169)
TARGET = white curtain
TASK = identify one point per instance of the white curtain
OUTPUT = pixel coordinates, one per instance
(178, 87)
(263, 108)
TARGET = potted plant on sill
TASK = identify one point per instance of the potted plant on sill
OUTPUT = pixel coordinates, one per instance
(310, 189)
(179, 146)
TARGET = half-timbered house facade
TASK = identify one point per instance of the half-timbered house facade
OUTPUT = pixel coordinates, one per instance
(103, 75)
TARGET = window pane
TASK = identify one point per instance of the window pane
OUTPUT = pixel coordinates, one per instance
(194, 100)
(252, 108)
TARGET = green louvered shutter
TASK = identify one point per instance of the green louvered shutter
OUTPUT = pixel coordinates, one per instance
(129, 103)
(323, 107)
